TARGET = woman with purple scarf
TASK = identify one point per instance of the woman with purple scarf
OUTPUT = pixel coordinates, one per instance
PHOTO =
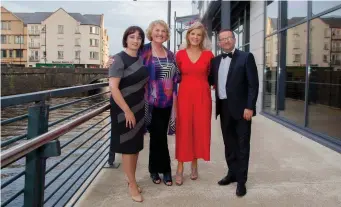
(160, 97)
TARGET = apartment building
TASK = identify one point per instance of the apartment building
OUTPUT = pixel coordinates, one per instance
(13, 40)
(62, 39)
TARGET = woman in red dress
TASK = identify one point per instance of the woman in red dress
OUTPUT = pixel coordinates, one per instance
(194, 107)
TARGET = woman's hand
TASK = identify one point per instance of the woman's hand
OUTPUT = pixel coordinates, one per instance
(130, 119)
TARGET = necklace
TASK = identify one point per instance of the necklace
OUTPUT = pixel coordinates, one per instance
(163, 67)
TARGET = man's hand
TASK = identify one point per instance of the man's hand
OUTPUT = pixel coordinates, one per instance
(248, 114)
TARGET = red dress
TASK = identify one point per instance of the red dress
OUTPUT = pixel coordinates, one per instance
(194, 108)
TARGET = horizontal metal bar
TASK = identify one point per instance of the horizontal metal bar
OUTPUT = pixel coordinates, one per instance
(76, 170)
(104, 150)
(70, 153)
(77, 113)
(14, 119)
(12, 198)
(76, 137)
(64, 158)
(12, 140)
(76, 101)
(12, 179)
(87, 186)
(45, 95)
(21, 150)
(328, 84)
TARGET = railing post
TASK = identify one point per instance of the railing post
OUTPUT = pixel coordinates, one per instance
(38, 117)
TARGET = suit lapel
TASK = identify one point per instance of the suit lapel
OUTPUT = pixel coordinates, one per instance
(232, 64)
(217, 65)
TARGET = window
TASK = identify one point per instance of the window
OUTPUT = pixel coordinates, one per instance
(285, 92)
(77, 30)
(94, 42)
(296, 11)
(270, 75)
(60, 29)
(94, 55)
(77, 54)
(94, 30)
(321, 6)
(271, 17)
(3, 53)
(60, 54)
(241, 29)
(10, 54)
(297, 58)
(324, 94)
(60, 42)
(19, 40)
(291, 88)
(19, 53)
(3, 39)
(5, 25)
(325, 46)
(325, 58)
(326, 32)
(77, 40)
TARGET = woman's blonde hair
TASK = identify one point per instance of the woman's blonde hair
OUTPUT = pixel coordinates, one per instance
(205, 42)
(153, 24)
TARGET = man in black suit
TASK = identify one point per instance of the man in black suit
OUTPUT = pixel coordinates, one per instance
(234, 75)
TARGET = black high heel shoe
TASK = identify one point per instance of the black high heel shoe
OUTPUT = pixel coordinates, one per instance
(167, 178)
(155, 178)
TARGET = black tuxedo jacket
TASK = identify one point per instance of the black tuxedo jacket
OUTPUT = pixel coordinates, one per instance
(241, 86)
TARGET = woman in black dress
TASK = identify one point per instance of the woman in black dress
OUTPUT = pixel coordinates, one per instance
(127, 80)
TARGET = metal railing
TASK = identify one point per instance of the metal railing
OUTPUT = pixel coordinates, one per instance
(50, 163)
(34, 45)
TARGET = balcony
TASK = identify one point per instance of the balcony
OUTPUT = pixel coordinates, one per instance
(34, 59)
(33, 32)
(336, 37)
(336, 49)
(33, 45)
(336, 62)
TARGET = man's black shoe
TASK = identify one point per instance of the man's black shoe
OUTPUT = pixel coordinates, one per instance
(241, 189)
(227, 180)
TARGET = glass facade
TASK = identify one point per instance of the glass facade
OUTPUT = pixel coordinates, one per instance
(241, 28)
(302, 74)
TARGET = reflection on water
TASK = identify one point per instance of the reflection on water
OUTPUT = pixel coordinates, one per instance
(20, 127)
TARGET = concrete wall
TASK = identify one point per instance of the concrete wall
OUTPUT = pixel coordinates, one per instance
(26, 80)
(257, 43)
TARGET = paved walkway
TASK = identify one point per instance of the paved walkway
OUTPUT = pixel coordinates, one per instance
(285, 169)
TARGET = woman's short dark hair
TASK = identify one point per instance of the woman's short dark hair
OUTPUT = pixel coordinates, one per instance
(130, 31)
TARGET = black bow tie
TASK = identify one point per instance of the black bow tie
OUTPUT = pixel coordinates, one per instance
(227, 54)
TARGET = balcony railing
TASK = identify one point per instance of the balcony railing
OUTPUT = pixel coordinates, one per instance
(336, 37)
(336, 62)
(59, 167)
(34, 45)
(336, 49)
(34, 59)
(33, 32)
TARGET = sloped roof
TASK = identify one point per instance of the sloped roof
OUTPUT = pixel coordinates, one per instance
(38, 17)
(333, 22)
(95, 18)
(33, 18)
